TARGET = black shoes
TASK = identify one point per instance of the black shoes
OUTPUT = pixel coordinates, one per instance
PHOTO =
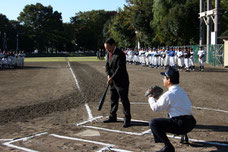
(127, 123)
(110, 119)
(167, 149)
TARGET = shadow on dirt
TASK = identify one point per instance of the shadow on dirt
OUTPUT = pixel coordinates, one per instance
(219, 148)
(213, 127)
(137, 123)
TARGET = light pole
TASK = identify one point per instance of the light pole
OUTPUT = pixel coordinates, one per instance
(17, 45)
(0, 38)
(138, 38)
(4, 43)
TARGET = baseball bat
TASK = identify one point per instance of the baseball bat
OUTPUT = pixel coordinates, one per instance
(102, 99)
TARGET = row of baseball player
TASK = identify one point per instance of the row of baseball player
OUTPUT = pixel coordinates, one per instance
(11, 60)
(161, 57)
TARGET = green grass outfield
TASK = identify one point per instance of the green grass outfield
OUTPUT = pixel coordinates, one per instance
(61, 59)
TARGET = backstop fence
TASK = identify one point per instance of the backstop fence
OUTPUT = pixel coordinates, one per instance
(214, 54)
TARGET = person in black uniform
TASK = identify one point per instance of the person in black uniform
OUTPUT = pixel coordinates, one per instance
(118, 80)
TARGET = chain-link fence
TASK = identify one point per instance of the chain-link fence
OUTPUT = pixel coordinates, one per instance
(214, 54)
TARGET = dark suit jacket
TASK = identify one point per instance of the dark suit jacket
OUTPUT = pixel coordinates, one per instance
(116, 68)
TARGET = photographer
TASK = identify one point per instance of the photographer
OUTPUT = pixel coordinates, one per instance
(176, 102)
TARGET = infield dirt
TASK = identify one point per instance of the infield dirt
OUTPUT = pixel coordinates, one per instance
(43, 97)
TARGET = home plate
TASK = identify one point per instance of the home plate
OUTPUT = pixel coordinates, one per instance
(88, 133)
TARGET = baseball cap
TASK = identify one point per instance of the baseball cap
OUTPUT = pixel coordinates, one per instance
(173, 74)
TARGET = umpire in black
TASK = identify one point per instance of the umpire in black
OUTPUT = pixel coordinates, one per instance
(118, 80)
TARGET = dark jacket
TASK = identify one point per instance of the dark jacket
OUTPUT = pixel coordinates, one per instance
(116, 68)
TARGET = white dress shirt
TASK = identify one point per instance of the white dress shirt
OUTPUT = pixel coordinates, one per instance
(175, 101)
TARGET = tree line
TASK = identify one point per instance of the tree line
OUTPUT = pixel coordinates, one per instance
(152, 22)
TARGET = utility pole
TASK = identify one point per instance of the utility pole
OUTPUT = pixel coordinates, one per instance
(4, 43)
(208, 23)
(217, 23)
(202, 25)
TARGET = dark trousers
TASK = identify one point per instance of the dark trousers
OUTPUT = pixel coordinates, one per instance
(122, 93)
(177, 125)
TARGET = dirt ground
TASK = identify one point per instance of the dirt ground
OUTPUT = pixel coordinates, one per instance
(44, 98)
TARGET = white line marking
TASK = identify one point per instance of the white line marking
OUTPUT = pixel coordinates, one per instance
(120, 150)
(210, 109)
(108, 146)
(218, 110)
(145, 132)
(112, 130)
(84, 122)
(5, 140)
(135, 120)
(142, 103)
(202, 141)
(88, 111)
(75, 79)
(112, 149)
(83, 140)
(194, 140)
(9, 144)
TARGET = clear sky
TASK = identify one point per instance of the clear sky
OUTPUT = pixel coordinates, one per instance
(68, 8)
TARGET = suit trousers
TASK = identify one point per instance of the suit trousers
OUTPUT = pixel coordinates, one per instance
(176, 125)
(122, 93)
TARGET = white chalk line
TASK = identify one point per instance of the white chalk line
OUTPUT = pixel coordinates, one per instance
(108, 146)
(137, 103)
(210, 109)
(82, 140)
(201, 141)
(112, 149)
(90, 116)
(9, 144)
(203, 108)
(110, 130)
(1, 140)
(75, 79)
(84, 122)
(193, 140)
(134, 120)
(145, 132)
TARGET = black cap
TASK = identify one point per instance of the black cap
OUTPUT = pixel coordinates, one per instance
(173, 74)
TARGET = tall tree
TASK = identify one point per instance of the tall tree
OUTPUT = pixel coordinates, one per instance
(88, 27)
(45, 25)
(176, 22)
(120, 28)
(142, 16)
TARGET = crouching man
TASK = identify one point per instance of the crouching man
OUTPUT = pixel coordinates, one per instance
(178, 106)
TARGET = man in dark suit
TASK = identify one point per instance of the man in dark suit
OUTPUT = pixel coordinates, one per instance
(118, 80)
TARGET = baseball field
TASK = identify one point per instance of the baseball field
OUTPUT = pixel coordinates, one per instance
(50, 105)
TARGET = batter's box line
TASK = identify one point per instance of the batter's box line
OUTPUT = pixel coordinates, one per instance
(142, 133)
(82, 124)
(107, 146)
(194, 140)
(9, 144)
